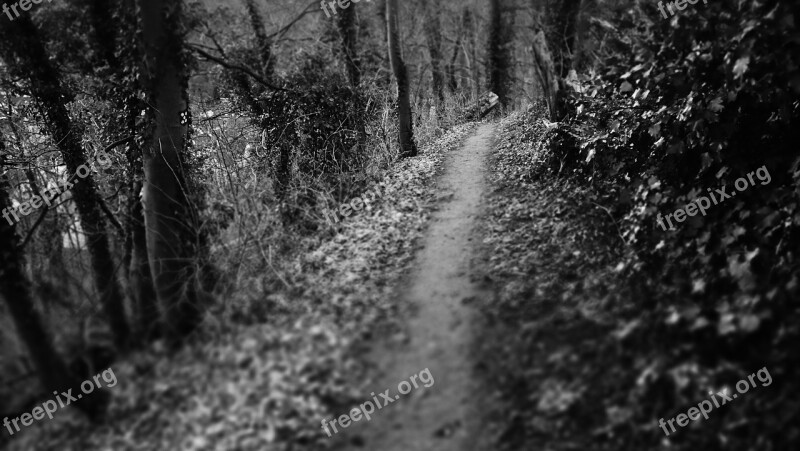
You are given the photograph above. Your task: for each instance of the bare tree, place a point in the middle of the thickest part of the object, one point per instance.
(408, 147)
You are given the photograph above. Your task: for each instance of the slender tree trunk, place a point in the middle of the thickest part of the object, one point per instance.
(499, 52)
(16, 290)
(408, 147)
(546, 72)
(148, 316)
(169, 216)
(348, 32)
(104, 27)
(140, 276)
(21, 45)
(380, 8)
(433, 35)
(565, 24)
(473, 46)
(452, 82)
(136, 261)
(263, 41)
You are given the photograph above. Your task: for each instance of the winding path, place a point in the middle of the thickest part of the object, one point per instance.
(447, 415)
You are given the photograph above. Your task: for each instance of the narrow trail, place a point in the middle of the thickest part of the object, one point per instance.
(447, 415)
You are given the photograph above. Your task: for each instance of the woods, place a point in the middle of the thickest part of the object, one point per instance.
(589, 207)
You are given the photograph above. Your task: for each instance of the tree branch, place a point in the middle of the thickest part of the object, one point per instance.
(283, 30)
(228, 65)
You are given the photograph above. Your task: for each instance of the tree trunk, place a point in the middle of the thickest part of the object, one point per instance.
(406, 133)
(546, 72)
(15, 289)
(140, 276)
(565, 25)
(22, 46)
(473, 48)
(148, 317)
(105, 34)
(452, 82)
(563, 39)
(348, 31)
(499, 52)
(169, 216)
(136, 262)
(264, 44)
(433, 35)
(380, 12)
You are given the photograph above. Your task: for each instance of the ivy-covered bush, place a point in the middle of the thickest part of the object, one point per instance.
(675, 108)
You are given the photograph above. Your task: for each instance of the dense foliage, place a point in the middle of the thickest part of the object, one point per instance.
(673, 109)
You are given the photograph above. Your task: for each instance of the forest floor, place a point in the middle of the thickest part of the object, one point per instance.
(470, 267)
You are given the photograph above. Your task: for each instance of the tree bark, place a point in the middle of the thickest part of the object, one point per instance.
(16, 290)
(465, 30)
(136, 261)
(348, 31)
(148, 316)
(546, 72)
(565, 25)
(563, 39)
(499, 52)
(433, 35)
(169, 215)
(264, 44)
(406, 133)
(21, 46)
(473, 48)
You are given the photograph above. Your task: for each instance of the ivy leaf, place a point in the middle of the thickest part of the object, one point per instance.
(655, 130)
(716, 105)
(740, 67)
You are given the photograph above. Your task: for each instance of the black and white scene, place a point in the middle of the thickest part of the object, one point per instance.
(399, 225)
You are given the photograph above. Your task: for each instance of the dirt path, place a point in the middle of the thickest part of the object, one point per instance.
(445, 416)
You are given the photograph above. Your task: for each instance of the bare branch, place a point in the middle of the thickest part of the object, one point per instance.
(232, 66)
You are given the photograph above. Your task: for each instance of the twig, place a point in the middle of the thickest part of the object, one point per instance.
(117, 143)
